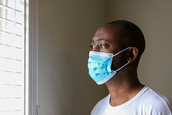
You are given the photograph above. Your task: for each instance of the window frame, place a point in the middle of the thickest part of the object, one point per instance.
(31, 72)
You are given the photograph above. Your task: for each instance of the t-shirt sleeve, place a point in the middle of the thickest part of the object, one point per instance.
(163, 106)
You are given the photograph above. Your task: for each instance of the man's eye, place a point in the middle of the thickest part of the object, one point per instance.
(91, 46)
(101, 45)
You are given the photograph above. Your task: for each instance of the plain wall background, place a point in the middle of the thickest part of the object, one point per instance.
(65, 28)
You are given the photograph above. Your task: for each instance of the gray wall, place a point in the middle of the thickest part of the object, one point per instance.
(65, 28)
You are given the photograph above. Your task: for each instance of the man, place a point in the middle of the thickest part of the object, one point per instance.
(116, 50)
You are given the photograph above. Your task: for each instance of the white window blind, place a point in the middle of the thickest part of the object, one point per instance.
(12, 57)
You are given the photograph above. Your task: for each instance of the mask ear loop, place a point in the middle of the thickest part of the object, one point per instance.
(122, 66)
(119, 53)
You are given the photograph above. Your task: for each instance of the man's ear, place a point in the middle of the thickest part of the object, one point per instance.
(133, 53)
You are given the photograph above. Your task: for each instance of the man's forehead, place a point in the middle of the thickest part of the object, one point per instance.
(103, 30)
(105, 33)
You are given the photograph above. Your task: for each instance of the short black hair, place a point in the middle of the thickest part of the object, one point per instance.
(130, 35)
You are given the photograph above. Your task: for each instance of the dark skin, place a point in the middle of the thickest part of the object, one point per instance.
(125, 85)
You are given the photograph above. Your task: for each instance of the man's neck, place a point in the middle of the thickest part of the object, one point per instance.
(123, 89)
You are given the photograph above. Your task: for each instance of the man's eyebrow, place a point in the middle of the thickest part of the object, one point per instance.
(101, 39)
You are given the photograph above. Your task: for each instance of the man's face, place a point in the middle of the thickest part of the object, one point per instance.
(105, 40)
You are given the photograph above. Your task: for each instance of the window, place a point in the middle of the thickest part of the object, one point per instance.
(13, 57)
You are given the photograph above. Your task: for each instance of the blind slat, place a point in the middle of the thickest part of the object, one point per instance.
(12, 57)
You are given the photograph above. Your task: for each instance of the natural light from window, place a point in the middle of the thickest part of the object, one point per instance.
(12, 57)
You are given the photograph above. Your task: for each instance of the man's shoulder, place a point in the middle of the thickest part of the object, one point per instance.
(146, 101)
(153, 96)
(155, 100)
(103, 101)
(101, 105)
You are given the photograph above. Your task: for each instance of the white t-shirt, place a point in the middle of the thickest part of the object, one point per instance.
(146, 102)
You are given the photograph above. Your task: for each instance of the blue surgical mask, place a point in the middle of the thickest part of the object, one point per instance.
(99, 65)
